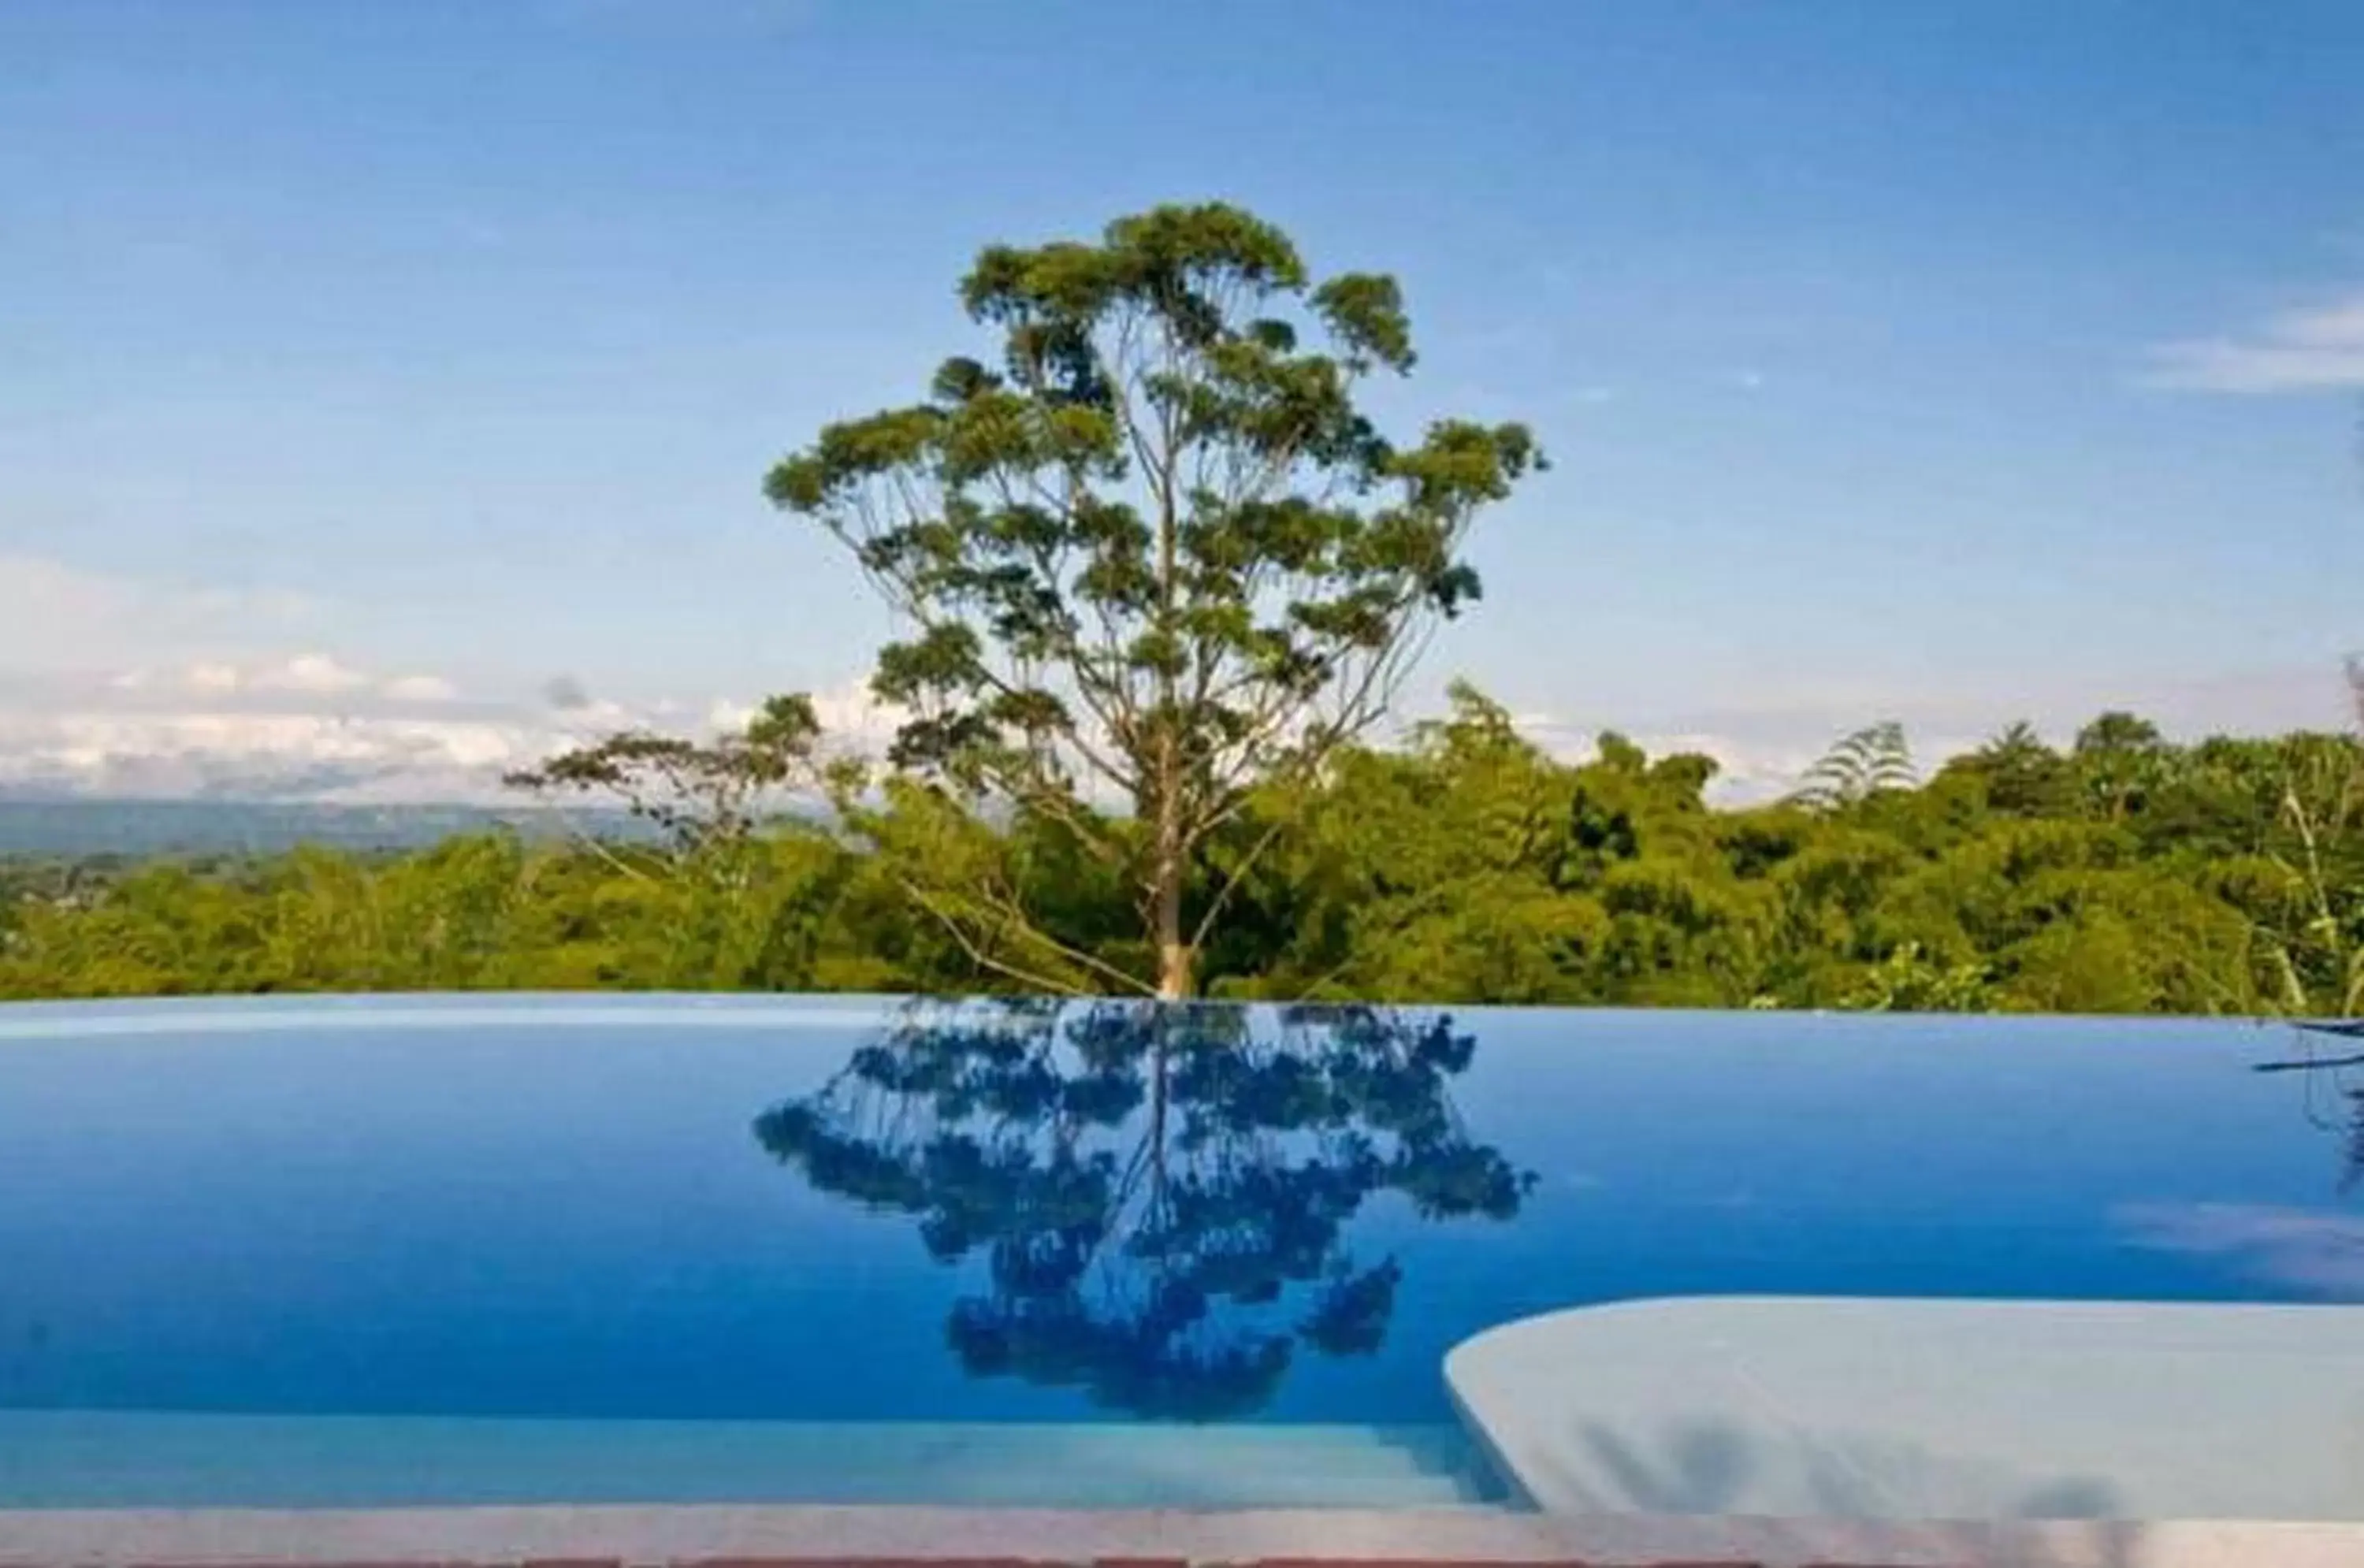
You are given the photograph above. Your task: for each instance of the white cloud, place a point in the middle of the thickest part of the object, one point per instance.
(119, 685)
(418, 689)
(313, 672)
(261, 754)
(2319, 348)
(310, 725)
(205, 676)
(253, 682)
(852, 722)
(725, 714)
(602, 717)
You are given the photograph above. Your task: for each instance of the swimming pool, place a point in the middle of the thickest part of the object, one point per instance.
(389, 1251)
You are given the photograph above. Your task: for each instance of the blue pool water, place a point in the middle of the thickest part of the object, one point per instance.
(469, 1249)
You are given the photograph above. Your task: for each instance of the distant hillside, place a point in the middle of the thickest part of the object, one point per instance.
(137, 828)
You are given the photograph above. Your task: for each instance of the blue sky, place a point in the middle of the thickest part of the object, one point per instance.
(370, 364)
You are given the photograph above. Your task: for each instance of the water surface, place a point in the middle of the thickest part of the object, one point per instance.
(814, 1211)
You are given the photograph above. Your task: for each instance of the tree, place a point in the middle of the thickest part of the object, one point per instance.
(1159, 556)
(2121, 760)
(2022, 776)
(718, 893)
(700, 797)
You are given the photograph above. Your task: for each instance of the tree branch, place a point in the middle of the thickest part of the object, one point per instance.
(979, 955)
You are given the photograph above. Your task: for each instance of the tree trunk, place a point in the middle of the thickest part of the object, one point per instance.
(1173, 956)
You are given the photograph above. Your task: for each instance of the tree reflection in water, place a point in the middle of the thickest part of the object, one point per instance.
(2333, 1101)
(1159, 1191)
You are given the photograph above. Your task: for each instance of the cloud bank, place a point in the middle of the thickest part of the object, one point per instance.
(310, 727)
(117, 686)
(111, 686)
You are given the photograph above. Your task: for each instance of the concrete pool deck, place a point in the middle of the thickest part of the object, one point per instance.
(1904, 1409)
(940, 1538)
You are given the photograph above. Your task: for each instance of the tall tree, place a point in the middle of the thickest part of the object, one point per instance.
(1159, 556)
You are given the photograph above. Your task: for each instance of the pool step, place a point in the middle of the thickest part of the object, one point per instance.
(108, 1459)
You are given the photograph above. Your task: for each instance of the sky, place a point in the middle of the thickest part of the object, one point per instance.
(386, 389)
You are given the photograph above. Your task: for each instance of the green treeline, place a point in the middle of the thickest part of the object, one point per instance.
(2124, 875)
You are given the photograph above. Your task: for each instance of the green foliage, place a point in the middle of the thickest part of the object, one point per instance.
(1860, 766)
(702, 797)
(2121, 761)
(2015, 773)
(1466, 865)
(1909, 981)
(1156, 555)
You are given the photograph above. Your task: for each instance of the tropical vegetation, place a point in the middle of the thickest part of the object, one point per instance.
(2122, 874)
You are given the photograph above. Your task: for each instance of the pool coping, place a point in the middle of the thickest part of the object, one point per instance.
(902, 1537)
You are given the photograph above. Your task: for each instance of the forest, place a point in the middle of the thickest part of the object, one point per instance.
(2122, 874)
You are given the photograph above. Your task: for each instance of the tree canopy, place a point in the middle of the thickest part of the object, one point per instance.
(1154, 555)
